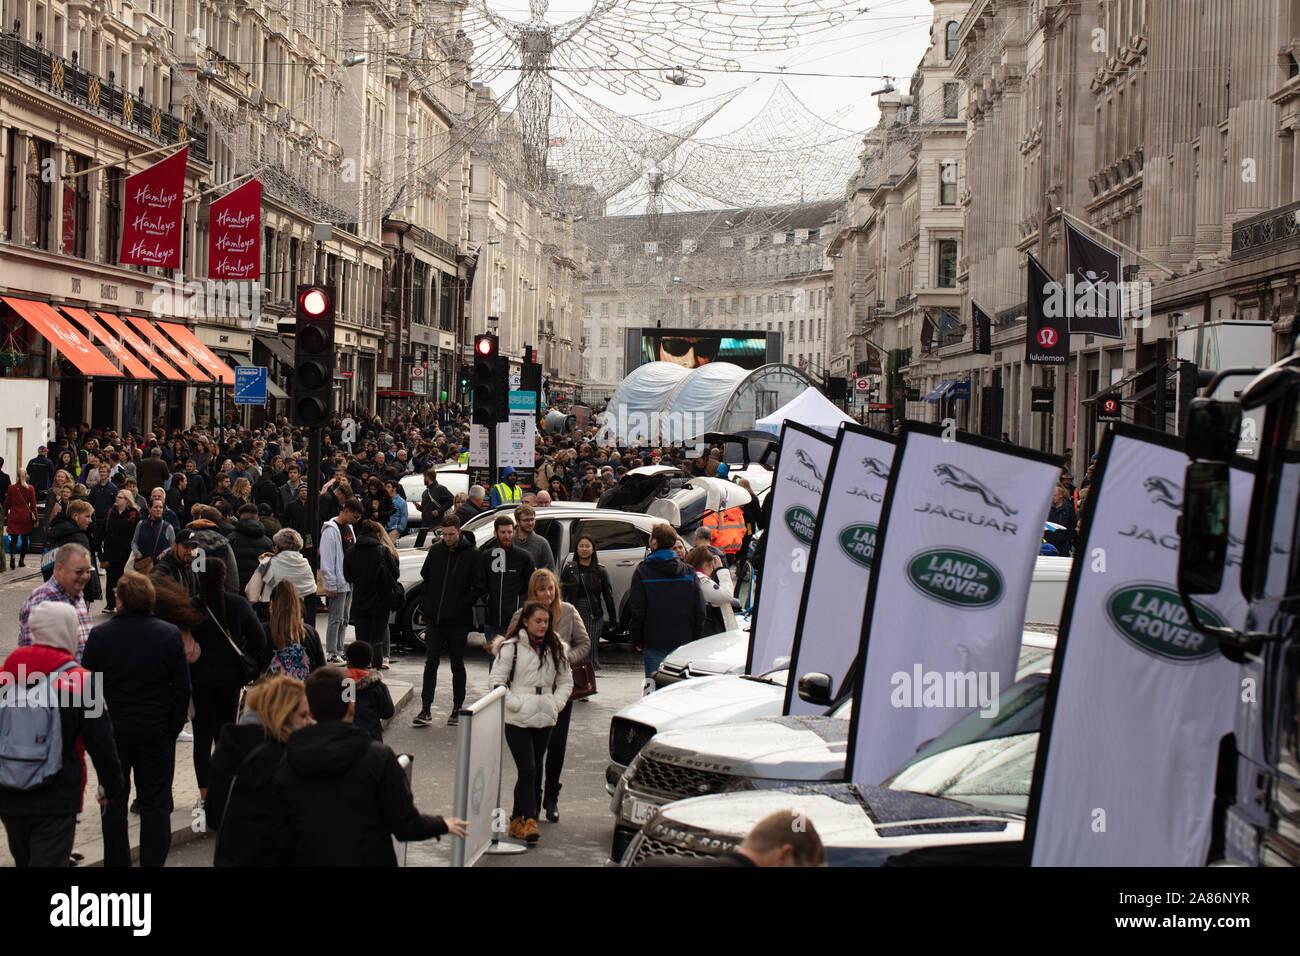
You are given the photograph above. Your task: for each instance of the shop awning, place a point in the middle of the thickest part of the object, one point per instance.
(393, 393)
(277, 348)
(168, 348)
(276, 391)
(1112, 390)
(188, 340)
(134, 367)
(61, 334)
(141, 347)
(960, 389)
(941, 391)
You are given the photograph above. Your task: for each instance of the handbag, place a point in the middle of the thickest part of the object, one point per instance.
(144, 563)
(247, 665)
(584, 680)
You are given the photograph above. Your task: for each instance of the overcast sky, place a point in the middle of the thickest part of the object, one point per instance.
(887, 37)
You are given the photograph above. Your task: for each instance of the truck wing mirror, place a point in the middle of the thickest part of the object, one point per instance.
(1203, 528)
(1213, 428)
(815, 688)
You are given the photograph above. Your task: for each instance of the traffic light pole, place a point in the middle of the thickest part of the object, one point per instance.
(315, 441)
(492, 457)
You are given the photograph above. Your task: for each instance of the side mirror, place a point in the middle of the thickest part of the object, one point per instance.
(815, 689)
(1213, 428)
(1203, 528)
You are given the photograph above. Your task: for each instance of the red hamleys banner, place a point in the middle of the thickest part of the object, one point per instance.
(234, 230)
(153, 219)
(69, 219)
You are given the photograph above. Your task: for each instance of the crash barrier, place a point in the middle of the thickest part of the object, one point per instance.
(478, 779)
(406, 762)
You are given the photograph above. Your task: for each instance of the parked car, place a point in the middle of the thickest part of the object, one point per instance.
(622, 540)
(725, 653)
(775, 751)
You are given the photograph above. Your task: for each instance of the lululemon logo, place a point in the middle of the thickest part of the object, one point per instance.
(1047, 337)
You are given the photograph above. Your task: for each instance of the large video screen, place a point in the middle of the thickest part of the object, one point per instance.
(693, 348)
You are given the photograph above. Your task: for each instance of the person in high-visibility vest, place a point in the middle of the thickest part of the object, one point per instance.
(508, 490)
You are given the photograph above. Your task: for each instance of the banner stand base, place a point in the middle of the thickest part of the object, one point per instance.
(505, 849)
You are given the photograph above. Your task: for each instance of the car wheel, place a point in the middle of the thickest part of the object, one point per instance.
(413, 626)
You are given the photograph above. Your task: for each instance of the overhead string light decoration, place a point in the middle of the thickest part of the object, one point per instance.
(630, 46)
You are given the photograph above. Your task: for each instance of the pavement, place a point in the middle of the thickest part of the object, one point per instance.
(580, 838)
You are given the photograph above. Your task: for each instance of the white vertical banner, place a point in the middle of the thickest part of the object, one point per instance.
(961, 530)
(1139, 698)
(829, 626)
(796, 498)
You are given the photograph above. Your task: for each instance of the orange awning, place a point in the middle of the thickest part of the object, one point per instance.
(142, 348)
(61, 334)
(174, 355)
(188, 340)
(134, 366)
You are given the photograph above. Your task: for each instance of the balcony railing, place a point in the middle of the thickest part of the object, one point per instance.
(67, 80)
(1266, 232)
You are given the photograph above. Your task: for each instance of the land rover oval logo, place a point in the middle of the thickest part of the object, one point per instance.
(1152, 618)
(801, 522)
(859, 543)
(959, 578)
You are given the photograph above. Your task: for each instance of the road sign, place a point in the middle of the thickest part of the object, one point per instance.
(250, 385)
(514, 380)
(417, 372)
(862, 385)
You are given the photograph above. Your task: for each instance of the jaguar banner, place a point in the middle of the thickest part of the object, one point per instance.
(795, 499)
(839, 561)
(152, 220)
(962, 522)
(1139, 699)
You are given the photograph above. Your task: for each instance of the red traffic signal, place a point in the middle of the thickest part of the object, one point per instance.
(485, 345)
(314, 301)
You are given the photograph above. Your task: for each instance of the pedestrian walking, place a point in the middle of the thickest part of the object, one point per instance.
(336, 538)
(40, 799)
(147, 691)
(507, 570)
(436, 501)
(371, 569)
(538, 548)
(296, 647)
(240, 809)
(374, 703)
(249, 543)
(453, 580)
(19, 519)
(341, 797)
(115, 548)
(544, 588)
(72, 569)
(229, 633)
(534, 668)
(585, 585)
(665, 606)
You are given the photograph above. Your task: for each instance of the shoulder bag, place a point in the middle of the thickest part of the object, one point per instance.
(144, 563)
(247, 665)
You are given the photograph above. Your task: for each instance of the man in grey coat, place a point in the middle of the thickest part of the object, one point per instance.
(538, 548)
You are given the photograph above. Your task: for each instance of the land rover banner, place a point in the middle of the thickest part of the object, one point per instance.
(1139, 699)
(961, 529)
(839, 562)
(795, 497)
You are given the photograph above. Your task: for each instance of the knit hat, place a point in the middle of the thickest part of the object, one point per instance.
(54, 624)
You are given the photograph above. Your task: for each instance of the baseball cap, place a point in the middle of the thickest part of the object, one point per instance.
(187, 536)
(41, 450)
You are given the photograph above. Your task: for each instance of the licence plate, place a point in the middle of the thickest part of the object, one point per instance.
(638, 811)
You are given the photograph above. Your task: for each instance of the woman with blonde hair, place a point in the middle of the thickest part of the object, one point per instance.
(242, 489)
(241, 805)
(297, 647)
(566, 622)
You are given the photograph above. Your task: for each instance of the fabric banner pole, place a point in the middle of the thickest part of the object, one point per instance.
(839, 563)
(961, 525)
(1139, 700)
(795, 499)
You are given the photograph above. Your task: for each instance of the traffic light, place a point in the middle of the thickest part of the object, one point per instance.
(464, 378)
(490, 382)
(313, 356)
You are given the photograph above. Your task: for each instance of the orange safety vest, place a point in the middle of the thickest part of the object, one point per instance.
(728, 528)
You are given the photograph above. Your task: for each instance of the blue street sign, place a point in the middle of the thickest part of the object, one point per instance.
(250, 385)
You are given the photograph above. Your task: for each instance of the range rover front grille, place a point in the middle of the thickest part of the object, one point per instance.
(649, 847)
(626, 738)
(671, 780)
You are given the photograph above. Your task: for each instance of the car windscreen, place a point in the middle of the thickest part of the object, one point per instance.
(1019, 711)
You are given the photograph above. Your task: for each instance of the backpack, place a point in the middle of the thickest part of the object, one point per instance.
(31, 734)
(291, 661)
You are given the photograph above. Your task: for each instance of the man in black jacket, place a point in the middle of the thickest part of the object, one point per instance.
(665, 604)
(341, 796)
(453, 580)
(249, 542)
(507, 569)
(40, 471)
(147, 690)
(436, 501)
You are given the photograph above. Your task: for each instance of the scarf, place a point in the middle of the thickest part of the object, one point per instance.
(538, 645)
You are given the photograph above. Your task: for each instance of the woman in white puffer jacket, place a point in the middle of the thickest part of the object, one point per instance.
(533, 666)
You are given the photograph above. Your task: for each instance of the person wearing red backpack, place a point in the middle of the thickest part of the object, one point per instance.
(40, 818)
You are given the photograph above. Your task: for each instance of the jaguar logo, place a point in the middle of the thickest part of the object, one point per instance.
(807, 462)
(952, 475)
(1164, 492)
(875, 466)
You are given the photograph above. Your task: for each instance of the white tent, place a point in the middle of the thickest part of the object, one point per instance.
(810, 408)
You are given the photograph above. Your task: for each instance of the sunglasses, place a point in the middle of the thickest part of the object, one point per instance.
(704, 349)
